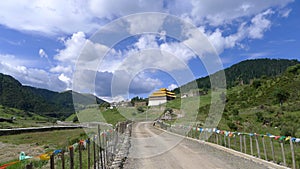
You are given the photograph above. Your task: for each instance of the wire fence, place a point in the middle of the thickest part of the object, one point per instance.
(282, 150)
(99, 151)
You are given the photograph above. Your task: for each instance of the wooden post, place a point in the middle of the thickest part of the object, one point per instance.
(293, 154)
(71, 157)
(235, 144)
(89, 152)
(283, 154)
(264, 147)
(104, 149)
(241, 143)
(245, 145)
(100, 146)
(194, 133)
(217, 138)
(52, 161)
(94, 153)
(257, 146)
(225, 141)
(229, 142)
(251, 146)
(272, 149)
(63, 159)
(80, 154)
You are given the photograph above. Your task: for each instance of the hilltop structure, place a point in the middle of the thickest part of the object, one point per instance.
(161, 96)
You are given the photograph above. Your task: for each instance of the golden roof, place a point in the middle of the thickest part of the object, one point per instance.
(162, 92)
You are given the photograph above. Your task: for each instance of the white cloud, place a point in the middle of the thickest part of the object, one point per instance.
(43, 54)
(55, 17)
(217, 13)
(30, 76)
(65, 79)
(61, 69)
(285, 13)
(259, 25)
(73, 47)
(172, 86)
(245, 19)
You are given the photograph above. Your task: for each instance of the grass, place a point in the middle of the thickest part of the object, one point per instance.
(52, 139)
(49, 141)
(23, 119)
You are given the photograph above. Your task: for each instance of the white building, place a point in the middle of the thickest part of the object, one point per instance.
(161, 96)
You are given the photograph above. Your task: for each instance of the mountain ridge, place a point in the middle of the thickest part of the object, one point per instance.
(244, 72)
(41, 101)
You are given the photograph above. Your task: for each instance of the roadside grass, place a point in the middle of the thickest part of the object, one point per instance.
(49, 140)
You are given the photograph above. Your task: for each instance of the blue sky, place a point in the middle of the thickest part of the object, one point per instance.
(41, 43)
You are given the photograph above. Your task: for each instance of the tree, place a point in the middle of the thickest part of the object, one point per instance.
(140, 109)
(281, 95)
(75, 119)
(232, 126)
(259, 117)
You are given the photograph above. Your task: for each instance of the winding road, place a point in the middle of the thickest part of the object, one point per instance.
(154, 148)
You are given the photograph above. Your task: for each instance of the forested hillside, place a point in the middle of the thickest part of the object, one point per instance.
(265, 105)
(41, 101)
(246, 71)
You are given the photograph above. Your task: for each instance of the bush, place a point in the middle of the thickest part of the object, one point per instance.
(75, 119)
(259, 117)
(140, 109)
(232, 126)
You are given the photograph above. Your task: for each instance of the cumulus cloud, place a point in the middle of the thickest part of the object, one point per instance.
(87, 16)
(217, 13)
(73, 47)
(172, 86)
(246, 19)
(30, 76)
(43, 54)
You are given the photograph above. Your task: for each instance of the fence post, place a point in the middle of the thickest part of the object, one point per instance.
(94, 153)
(80, 154)
(272, 149)
(235, 144)
(52, 161)
(225, 144)
(251, 146)
(100, 147)
(257, 146)
(264, 147)
(63, 159)
(103, 149)
(71, 157)
(228, 142)
(282, 151)
(217, 138)
(293, 154)
(245, 144)
(241, 143)
(89, 152)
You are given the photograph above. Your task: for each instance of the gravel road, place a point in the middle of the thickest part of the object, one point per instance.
(154, 148)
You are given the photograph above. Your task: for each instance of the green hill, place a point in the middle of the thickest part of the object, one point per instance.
(41, 101)
(267, 105)
(246, 71)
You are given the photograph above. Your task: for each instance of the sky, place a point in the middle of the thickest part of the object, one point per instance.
(119, 49)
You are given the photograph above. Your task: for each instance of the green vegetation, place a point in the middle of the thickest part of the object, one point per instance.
(22, 119)
(245, 71)
(94, 114)
(41, 101)
(44, 142)
(270, 107)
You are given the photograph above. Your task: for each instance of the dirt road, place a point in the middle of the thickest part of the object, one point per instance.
(153, 148)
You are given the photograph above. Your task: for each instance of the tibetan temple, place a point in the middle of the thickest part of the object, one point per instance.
(161, 96)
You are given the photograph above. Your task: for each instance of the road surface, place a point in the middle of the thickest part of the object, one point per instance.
(152, 148)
